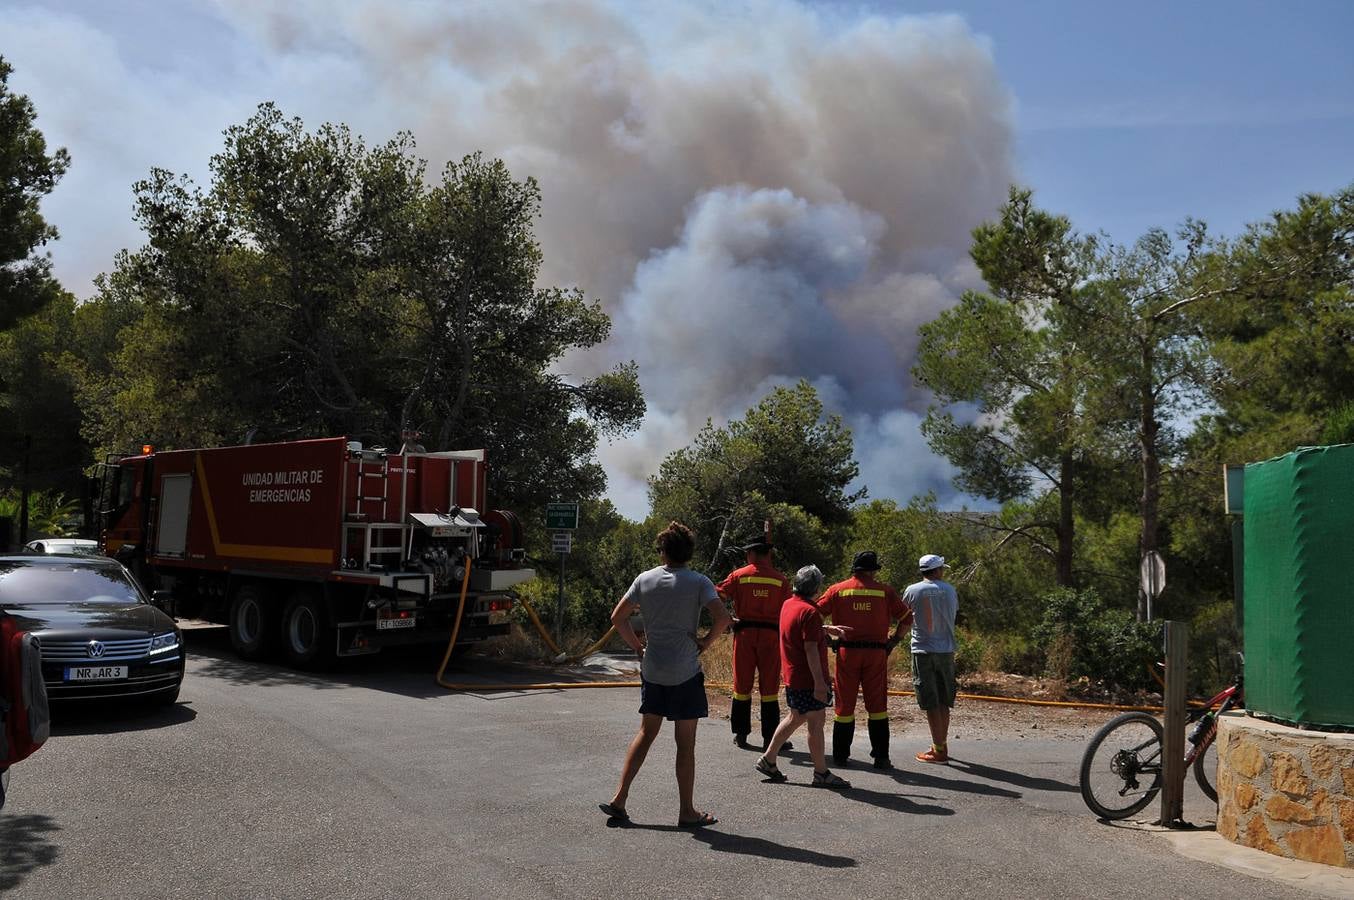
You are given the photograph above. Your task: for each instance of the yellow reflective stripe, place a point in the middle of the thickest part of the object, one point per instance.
(770, 698)
(759, 579)
(851, 719)
(742, 696)
(874, 717)
(861, 592)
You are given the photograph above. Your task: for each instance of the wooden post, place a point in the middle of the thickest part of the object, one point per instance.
(1173, 741)
(559, 604)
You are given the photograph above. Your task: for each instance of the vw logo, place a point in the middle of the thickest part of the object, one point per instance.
(94, 649)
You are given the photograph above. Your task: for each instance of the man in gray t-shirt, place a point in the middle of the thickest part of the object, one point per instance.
(933, 603)
(670, 599)
(672, 685)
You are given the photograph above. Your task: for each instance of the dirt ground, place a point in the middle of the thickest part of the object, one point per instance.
(972, 719)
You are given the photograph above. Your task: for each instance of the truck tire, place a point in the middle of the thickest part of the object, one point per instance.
(307, 639)
(253, 622)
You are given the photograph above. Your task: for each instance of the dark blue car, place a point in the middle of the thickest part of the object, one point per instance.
(100, 635)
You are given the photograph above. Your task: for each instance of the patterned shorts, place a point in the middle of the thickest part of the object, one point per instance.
(804, 701)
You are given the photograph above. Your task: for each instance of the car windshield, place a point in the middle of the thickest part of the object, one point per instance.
(45, 585)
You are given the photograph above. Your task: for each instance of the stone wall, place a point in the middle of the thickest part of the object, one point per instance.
(1286, 791)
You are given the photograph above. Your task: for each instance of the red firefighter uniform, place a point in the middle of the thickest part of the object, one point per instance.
(867, 606)
(758, 591)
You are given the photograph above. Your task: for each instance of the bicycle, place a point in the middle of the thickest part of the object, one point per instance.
(1121, 768)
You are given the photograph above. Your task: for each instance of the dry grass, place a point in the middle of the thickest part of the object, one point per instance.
(524, 644)
(1061, 654)
(717, 661)
(971, 720)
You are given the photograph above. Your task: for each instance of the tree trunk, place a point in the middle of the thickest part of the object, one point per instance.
(416, 394)
(719, 547)
(1150, 499)
(1066, 525)
(465, 344)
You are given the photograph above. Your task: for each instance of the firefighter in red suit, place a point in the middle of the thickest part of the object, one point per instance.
(757, 591)
(867, 606)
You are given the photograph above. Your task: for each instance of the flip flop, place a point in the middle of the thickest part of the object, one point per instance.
(613, 812)
(705, 819)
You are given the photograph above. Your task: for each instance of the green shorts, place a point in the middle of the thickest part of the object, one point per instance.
(933, 679)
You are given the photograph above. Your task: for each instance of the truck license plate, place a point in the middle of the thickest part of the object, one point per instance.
(95, 673)
(390, 624)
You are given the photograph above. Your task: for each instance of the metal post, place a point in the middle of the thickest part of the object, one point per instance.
(559, 606)
(1173, 741)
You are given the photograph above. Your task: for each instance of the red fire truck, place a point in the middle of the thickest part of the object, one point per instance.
(319, 548)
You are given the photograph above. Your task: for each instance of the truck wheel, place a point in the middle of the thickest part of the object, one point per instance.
(307, 639)
(253, 622)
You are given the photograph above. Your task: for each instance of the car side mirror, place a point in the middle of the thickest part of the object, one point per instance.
(163, 601)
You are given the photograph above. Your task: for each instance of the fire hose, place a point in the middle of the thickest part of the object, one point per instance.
(560, 656)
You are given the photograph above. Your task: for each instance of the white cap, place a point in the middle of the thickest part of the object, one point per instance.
(930, 561)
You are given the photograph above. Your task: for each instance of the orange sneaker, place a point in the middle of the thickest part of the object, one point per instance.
(933, 756)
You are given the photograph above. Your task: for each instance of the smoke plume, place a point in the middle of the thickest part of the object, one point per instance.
(757, 192)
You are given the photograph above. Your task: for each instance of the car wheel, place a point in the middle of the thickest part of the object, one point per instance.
(307, 639)
(253, 622)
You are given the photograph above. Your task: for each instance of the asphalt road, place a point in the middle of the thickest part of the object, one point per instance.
(373, 782)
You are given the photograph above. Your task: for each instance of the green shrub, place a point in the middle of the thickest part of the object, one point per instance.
(1082, 638)
(1339, 427)
(1214, 641)
(980, 651)
(1007, 652)
(970, 650)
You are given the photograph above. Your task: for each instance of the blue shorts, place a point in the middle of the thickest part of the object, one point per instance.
(804, 702)
(674, 702)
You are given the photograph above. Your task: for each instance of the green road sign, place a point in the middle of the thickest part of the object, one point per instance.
(561, 516)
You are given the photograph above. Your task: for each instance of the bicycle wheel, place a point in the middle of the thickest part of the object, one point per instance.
(1206, 766)
(1121, 768)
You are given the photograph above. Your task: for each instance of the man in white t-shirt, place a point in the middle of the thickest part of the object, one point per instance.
(672, 685)
(933, 603)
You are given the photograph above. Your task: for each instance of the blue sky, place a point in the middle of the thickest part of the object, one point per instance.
(1135, 115)
(700, 152)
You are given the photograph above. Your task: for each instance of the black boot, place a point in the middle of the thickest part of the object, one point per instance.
(879, 743)
(770, 721)
(740, 720)
(842, 733)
